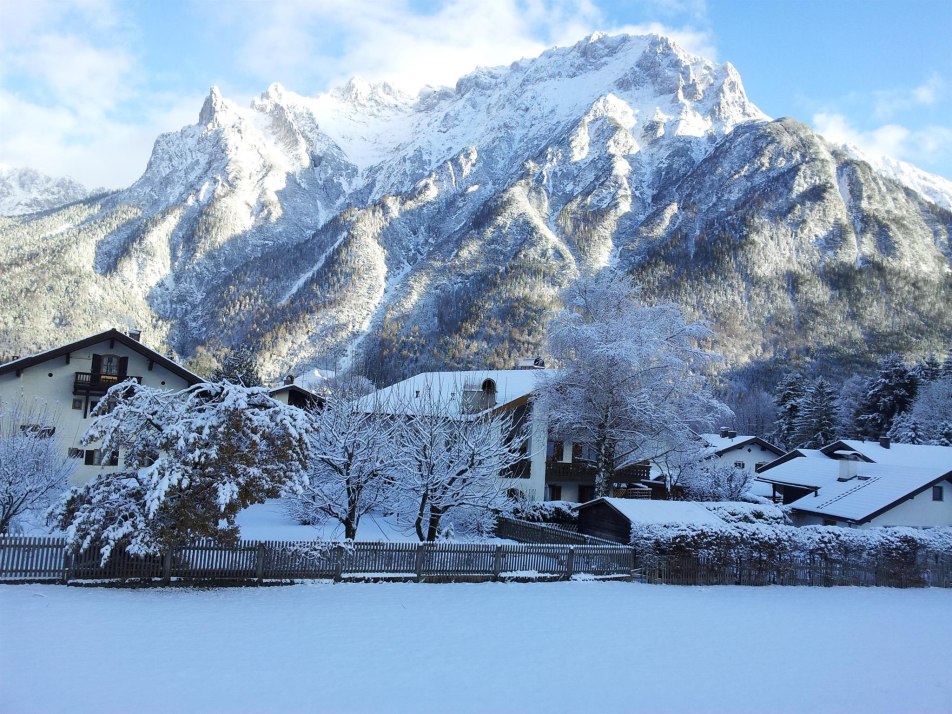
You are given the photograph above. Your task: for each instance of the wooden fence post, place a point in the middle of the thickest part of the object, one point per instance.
(338, 563)
(259, 563)
(167, 566)
(497, 562)
(420, 556)
(570, 563)
(69, 564)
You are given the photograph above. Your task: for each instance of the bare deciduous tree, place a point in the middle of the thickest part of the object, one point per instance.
(629, 379)
(33, 469)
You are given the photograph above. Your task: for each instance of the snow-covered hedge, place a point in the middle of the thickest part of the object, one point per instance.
(738, 512)
(778, 543)
(546, 512)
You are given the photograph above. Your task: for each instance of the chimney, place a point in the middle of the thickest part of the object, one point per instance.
(847, 469)
(724, 432)
(289, 379)
(732, 434)
(885, 441)
(135, 334)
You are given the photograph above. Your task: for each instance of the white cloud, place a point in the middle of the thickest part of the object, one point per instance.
(888, 103)
(311, 47)
(927, 146)
(76, 97)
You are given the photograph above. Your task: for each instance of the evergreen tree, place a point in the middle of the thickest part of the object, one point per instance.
(788, 396)
(946, 369)
(816, 418)
(906, 429)
(929, 369)
(239, 367)
(888, 394)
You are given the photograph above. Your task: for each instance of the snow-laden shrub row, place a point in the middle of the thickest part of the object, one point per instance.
(776, 544)
(546, 512)
(738, 512)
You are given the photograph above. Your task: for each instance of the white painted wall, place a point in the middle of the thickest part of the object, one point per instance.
(920, 511)
(534, 486)
(50, 384)
(750, 455)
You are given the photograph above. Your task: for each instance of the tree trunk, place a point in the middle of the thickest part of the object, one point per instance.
(604, 469)
(421, 514)
(434, 530)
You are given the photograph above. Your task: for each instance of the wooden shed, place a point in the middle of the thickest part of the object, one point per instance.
(612, 518)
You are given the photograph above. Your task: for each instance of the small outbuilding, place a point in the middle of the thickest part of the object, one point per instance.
(612, 518)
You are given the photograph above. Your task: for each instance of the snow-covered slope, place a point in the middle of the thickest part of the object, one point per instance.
(435, 230)
(27, 191)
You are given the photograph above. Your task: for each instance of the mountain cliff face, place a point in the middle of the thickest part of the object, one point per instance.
(410, 232)
(28, 191)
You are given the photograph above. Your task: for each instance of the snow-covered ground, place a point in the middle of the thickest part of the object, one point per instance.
(270, 521)
(491, 647)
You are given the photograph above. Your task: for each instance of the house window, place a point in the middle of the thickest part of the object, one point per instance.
(92, 405)
(77, 404)
(829, 522)
(739, 464)
(74, 453)
(109, 365)
(95, 457)
(937, 494)
(555, 492)
(42, 432)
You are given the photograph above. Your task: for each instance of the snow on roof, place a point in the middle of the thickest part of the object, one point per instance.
(806, 472)
(875, 487)
(641, 510)
(720, 443)
(429, 391)
(903, 454)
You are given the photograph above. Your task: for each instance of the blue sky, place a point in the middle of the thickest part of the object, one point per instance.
(87, 85)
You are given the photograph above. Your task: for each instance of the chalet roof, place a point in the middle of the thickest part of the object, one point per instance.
(803, 472)
(876, 489)
(429, 391)
(794, 454)
(899, 454)
(642, 510)
(293, 388)
(40, 357)
(723, 444)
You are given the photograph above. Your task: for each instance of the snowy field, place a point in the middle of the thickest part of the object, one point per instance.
(565, 647)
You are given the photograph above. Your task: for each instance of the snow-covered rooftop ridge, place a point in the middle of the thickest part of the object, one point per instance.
(442, 392)
(875, 487)
(918, 455)
(725, 442)
(645, 511)
(821, 473)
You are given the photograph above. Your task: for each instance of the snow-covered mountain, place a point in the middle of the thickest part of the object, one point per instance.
(26, 191)
(436, 229)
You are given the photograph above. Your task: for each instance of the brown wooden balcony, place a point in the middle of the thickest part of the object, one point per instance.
(95, 383)
(581, 471)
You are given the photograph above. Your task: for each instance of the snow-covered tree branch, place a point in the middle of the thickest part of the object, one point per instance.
(350, 450)
(33, 468)
(448, 461)
(191, 461)
(630, 379)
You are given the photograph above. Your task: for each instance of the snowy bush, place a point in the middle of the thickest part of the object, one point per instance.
(191, 461)
(546, 512)
(711, 481)
(737, 512)
(774, 545)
